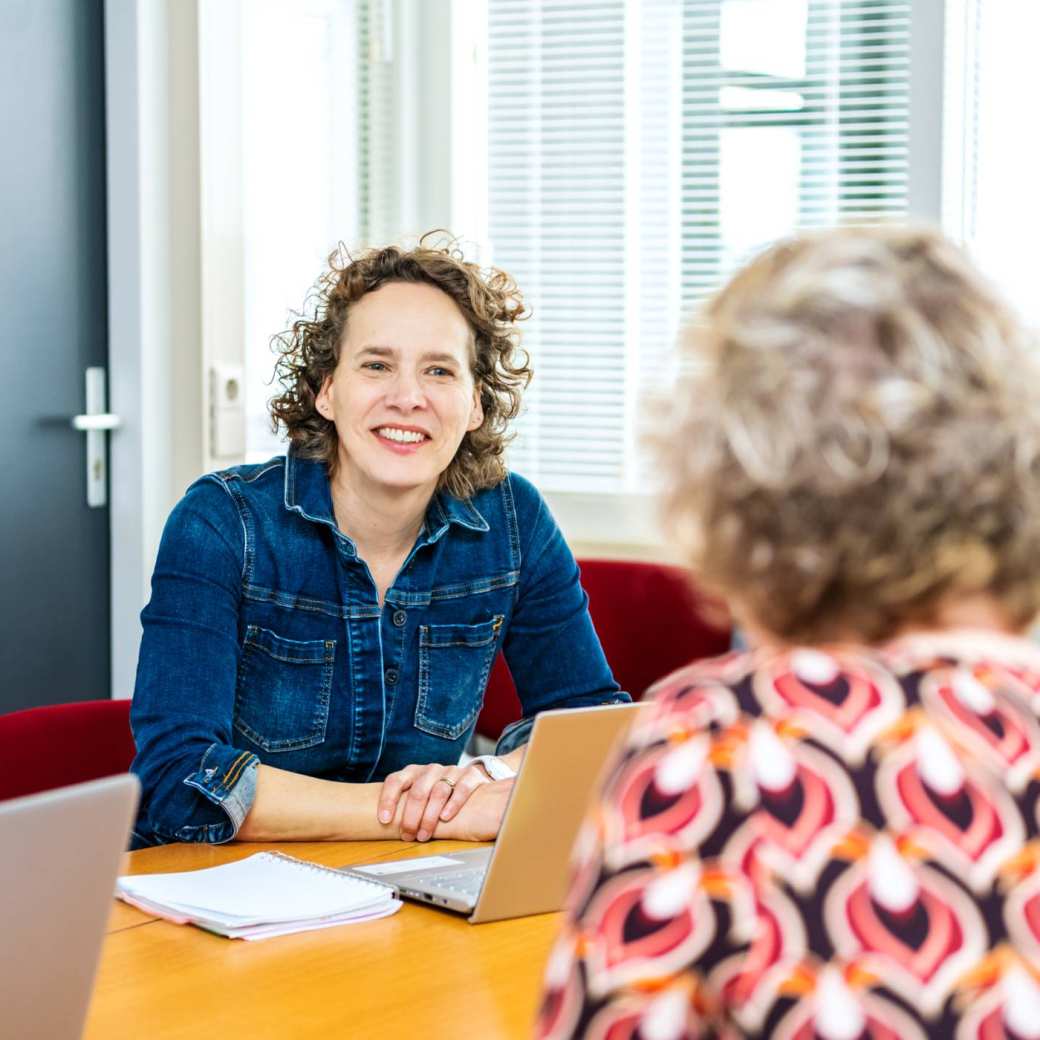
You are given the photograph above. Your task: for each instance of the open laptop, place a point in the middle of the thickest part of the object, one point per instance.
(527, 871)
(60, 853)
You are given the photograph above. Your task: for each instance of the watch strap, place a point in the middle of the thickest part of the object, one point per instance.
(494, 767)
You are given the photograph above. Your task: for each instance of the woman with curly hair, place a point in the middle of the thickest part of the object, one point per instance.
(322, 626)
(834, 835)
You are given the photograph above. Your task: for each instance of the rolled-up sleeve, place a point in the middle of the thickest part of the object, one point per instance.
(551, 646)
(196, 785)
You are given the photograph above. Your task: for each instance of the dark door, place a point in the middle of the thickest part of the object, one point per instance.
(54, 554)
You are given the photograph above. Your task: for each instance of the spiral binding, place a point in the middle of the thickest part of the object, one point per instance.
(322, 869)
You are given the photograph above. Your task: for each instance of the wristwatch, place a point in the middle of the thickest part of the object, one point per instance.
(494, 767)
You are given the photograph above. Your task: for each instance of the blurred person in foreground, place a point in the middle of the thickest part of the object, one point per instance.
(833, 835)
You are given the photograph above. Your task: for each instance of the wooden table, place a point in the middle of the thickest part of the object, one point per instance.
(420, 973)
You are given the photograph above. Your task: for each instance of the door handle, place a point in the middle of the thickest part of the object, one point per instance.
(103, 421)
(95, 422)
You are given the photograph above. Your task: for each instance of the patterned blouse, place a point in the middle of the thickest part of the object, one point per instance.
(816, 845)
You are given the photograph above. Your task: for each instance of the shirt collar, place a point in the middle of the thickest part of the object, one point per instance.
(307, 490)
(445, 509)
(308, 493)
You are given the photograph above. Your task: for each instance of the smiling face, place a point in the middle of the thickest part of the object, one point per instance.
(402, 395)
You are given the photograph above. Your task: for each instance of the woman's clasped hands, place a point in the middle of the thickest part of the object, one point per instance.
(444, 801)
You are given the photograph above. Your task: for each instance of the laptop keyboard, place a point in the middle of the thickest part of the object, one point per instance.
(463, 882)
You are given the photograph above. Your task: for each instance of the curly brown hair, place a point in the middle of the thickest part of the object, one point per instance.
(856, 441)
(490, 302)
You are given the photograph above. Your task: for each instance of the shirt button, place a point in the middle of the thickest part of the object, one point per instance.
(391, 675)
(400, 617)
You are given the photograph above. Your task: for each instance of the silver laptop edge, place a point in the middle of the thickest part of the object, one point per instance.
(61, 854)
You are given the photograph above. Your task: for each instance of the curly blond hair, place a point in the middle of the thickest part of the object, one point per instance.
(490, 302)
(855, 440)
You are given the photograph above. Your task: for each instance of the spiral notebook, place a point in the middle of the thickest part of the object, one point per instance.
(264, 895)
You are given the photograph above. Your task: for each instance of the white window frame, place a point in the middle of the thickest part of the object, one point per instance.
(151, 103)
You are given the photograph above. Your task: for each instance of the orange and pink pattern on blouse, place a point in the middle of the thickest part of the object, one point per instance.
(822, 844)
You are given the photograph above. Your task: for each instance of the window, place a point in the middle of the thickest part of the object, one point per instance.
(999, 153)
(300, 173)
(638, 152)
(339, 103)
(618, 157)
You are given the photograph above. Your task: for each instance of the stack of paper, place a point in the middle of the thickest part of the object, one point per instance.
(260, 896)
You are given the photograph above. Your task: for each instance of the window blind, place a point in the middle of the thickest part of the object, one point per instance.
(638, 152)
(557, 202)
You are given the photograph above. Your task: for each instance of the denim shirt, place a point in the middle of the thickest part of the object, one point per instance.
(264, 641)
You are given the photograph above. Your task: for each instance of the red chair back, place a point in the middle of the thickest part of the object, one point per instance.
(650, 620)
(60, 744)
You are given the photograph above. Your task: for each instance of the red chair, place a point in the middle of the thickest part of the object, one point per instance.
(650, 620)
(62, 744)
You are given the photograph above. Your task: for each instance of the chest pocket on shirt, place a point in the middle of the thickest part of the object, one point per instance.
(454, 662)
(282, 699)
